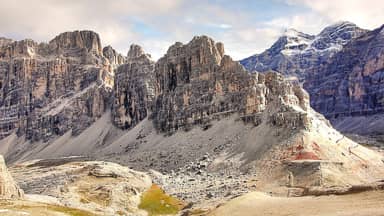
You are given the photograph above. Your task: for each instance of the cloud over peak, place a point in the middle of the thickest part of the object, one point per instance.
(246, 27)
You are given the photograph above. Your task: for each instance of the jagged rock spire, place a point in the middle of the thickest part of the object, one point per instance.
(135, 51)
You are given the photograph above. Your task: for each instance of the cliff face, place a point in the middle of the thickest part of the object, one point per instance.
(296, 54)
(197, 83)
(341, 68)
(49, 89)
(351, 83)
(134, 89)
(87, 41)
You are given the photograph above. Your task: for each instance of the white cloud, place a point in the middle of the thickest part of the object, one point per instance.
(365, 13)
(309, 23)
(176, 20)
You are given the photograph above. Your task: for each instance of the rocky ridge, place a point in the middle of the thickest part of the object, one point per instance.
(50, 88)
(198, 83)
(295, 54)
(196, 100)
(350, 84)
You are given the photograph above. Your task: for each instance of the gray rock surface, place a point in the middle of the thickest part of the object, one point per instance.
(296, 54)
(99, 187)
(196, 83)
(134, 89)
(49, 89)
(351, 84)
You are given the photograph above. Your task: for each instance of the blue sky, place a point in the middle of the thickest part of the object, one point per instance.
(245, 27)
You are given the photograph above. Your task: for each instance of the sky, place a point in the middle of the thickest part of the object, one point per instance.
(246, 27)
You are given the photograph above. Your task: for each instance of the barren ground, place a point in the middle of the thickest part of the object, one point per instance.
(256, 203)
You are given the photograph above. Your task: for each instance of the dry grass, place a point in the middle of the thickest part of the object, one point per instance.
(41, 209)
(91, 189)
(156, 202)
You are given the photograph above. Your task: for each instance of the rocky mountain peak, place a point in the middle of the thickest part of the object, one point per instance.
(88, 40)
(4, 41)
(337, 35)
(134, 88)
(23, 48)
(339, 26)
(114, 57)
(8, 187)
(200, 47)
(382, 29)
(197, 83)
(295, 53)
(135, 51)
(293, 33)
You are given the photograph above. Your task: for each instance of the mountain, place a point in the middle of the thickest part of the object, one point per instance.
(202, 126)
(348, 89)
(47, 89)
(296, 54)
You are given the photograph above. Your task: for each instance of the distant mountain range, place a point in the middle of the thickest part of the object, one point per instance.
(341, 68)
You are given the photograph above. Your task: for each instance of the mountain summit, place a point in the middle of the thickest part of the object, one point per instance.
(295, 54)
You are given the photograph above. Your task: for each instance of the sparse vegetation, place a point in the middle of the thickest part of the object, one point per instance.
(156, 202)
(40, 208)
(69, 211)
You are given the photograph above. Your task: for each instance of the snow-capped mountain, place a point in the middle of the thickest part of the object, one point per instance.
(295, 53)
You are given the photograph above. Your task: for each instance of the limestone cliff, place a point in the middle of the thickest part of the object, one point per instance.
(134, 89)
(49, 89)
(197, 83)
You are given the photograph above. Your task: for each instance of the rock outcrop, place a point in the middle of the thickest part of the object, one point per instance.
(8, 188)
(296, 54)
(87, 41)
(197, 83)
(49, 89)
(102, 188)
(134, 89)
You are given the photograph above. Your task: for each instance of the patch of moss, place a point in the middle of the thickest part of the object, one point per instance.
(156, 202)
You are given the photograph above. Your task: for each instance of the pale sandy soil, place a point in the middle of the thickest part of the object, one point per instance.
(256, 203)
(25, 208)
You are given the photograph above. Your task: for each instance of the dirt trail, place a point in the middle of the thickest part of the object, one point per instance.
(255, 204)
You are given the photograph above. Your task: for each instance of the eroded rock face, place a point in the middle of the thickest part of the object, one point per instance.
(8, 187)
(134, 89)
(351, 83)
(197, 83)
(49, 89)
(4, 41)
(83, 40)
(96, 186)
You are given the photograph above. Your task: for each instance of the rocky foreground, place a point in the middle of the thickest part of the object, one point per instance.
(73, 185)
